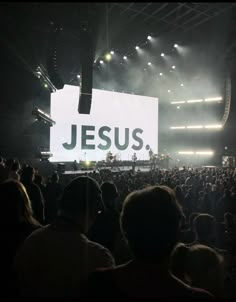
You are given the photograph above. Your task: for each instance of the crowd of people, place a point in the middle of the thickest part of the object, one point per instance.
(163, 233)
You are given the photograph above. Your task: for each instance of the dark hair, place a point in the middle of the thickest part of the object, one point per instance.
(54, 177)
(150, 221)
(109, 190)
(81, 195)
(15, 166)
(178, 261)
(15, 204)
(203, 225)
(27, 174)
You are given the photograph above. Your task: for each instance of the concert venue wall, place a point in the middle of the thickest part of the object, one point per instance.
(118, 122)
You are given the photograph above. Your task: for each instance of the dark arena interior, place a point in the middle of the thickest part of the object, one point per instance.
(118, 142)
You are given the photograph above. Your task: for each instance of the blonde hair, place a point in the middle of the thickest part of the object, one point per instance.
(16, 204)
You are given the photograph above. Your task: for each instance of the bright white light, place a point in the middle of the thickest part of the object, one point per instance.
(182, 85)
(177, 127)
(173, 67)
(176, 45)
(112, 52)
(87, 163)
(108, 57)
(195, 127)
(169, 90)
(213, 126)
(137, 47)
(162, 55)
(194, 101)
(149, 63)
(161, 74)
(46, 85)
(214, 99)
(101, 62)
(78, 76)
(124, 57)
(180, 102)
(149, 38)
(204, 152)
(178, 107)
(186, 152)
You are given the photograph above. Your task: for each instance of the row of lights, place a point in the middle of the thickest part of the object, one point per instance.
(108, 56)
(212, 99)
(207, 152)
(196, 127)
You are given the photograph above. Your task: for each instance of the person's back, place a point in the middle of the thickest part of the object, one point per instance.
(54, 261)
(106, 227)
(150, 221)
(201, 267)
(17, 223)
(34, 193)
(53, 193)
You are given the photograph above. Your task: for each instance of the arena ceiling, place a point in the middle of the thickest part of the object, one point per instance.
(27, 28)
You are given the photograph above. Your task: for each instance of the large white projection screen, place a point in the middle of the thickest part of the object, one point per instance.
(118, 122)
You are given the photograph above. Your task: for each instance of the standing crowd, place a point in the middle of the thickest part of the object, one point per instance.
(163, 233)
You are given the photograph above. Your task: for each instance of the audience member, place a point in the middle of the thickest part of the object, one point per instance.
(55, 261)
(17, 223)
(35, 195)
(150, 221)
(199, 266)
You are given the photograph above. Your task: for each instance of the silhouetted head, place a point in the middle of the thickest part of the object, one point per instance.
(178, 261)
(15, 166)
(55, 177)
(109, 192)
(81, 201)
(151, 220)
(9, 162)
(15, 203)
(27, 174)
(204, 227)
(204, 269)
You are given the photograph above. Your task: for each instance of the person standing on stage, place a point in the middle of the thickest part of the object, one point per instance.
(134, 159)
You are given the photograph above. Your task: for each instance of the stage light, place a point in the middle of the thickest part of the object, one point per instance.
(195, 127)
(124, 57)
(169, 91)
(177, 127)
(101, 62)
(194, 101)
(87, 163)
(149, 38)
(112, 52)
(108, 57)
(178, 107)
(204, 152)
(176, 45)
(186, 152)
(137, 47)
(42, 116)
(162, 55)
(161, 74)
(182, 85)
(173, 67)
(78, 76)
(45, 85)
(213, 126)
(180, 102)
(149, 63)
(214, 99)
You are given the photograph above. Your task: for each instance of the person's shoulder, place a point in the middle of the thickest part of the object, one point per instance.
(37, 232)
(186, 291)
(99, 251)
(200, 293)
